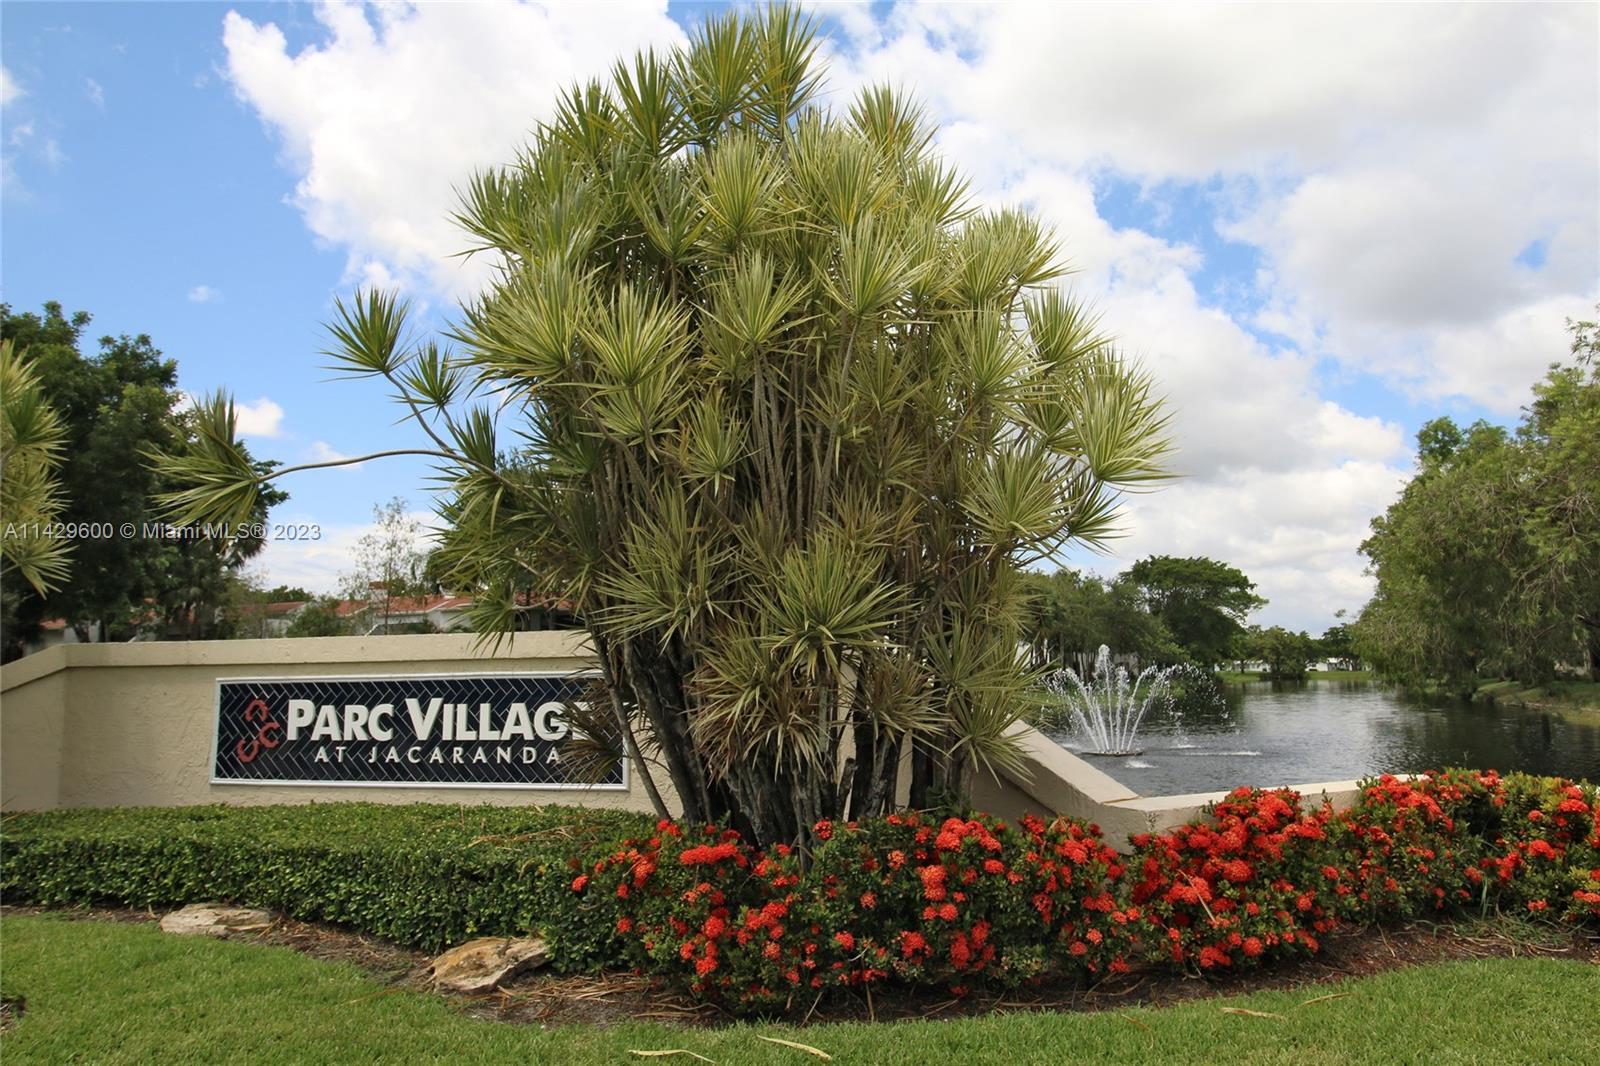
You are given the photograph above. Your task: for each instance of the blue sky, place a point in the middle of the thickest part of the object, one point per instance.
(1318, 226)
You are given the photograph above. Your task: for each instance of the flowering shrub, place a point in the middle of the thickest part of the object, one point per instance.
(963, 900)
(1405, 850)
(955, 902)
(1248, 883)
(675, 898)
(1465, 838)
(906, 898)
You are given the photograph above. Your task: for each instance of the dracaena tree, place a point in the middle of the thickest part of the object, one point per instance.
(32, 440)
(777, 411)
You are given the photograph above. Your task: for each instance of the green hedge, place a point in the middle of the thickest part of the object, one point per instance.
(427, 875)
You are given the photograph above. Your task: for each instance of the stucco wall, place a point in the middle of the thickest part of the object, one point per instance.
(101, 725)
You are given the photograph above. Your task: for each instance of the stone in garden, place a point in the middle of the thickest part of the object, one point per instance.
(484, 964)
(215, 919)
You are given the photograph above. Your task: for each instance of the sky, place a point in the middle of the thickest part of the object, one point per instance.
(1317, 226)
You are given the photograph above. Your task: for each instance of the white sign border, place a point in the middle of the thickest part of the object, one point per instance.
(568, 675)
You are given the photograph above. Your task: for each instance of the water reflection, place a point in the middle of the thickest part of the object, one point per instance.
(1270, 734)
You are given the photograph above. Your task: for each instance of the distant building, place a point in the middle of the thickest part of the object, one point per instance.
(441, 613)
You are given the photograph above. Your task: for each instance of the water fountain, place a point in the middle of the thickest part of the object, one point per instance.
(1106, 710)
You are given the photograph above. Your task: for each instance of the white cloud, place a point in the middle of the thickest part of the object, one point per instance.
(1389, 162)
(52, 154)
(263, 418)
(9, 89)
(95, 92)
(317, 565)
(1388, 165)
(1294, 532)
(323, 452)
(204, 294)
(400, 104)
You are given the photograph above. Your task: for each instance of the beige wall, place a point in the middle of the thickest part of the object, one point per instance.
(102, 725)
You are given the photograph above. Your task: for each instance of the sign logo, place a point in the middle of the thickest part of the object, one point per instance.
(488, 731)
(266, 734)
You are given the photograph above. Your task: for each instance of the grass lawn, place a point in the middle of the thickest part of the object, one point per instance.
(1234, 676)
(110, 993)
(1576, 698)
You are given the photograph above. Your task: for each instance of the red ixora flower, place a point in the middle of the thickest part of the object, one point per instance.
(579, 881)
(911, 943)
(706, 854)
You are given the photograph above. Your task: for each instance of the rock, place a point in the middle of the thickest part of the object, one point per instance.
(215, 919)
(484, 964)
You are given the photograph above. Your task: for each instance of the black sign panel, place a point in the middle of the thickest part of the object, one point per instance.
(495, 730)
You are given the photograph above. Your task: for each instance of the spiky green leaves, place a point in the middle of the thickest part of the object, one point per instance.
(637, 344)
(370, 331)
(825, 601)
(218, 481)
(31, 440)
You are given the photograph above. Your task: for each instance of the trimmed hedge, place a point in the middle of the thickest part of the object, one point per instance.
(425, 875)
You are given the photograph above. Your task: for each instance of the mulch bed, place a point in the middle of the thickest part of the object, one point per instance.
(550, 999)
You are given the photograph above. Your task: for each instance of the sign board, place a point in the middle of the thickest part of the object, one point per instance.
(417, 731)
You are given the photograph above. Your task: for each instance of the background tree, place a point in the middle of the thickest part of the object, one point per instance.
(796, 416)
(116, 406)
(390, 564)
(1338, 642)
(1073, 614)
(1556, 593)
(1285, 652)
(318, 618)
(1440, 555)
(1203, 603)
(1489, 562)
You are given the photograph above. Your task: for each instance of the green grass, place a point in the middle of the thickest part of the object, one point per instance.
(1235, 676)
(106, 993)
(1582, 697)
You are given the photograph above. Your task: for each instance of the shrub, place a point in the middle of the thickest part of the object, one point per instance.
(1463, 838)
(1404, 852)
(423, 875)
(905, 898)
(1247, 883)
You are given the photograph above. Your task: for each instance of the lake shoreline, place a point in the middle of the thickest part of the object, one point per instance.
(1274, 734)
(1575, 701)
(1235, 677)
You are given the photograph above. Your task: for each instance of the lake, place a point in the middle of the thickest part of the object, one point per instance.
(1274, 734)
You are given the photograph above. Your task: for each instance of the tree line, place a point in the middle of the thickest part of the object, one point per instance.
(81, 425)
(1167, 610)
(1488, 565)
